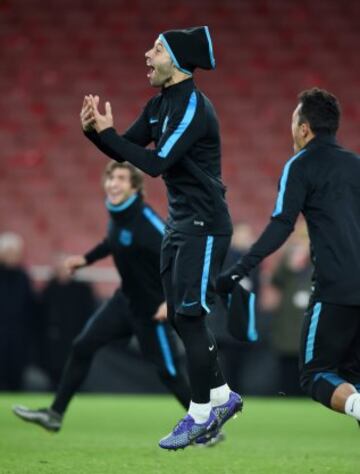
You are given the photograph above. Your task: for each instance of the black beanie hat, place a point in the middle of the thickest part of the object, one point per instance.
(189, 48)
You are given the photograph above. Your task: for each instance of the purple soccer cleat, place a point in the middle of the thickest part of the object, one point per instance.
(229, 409)
(223, 413)
(187, 432)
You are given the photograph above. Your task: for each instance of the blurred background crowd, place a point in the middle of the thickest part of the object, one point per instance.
(39, 320)
(51, 204)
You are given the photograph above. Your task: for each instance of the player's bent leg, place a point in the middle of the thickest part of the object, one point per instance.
(110, 322)
(333, 392)
(330, 334)
(75, 371)
(104, 326)
(321, 385)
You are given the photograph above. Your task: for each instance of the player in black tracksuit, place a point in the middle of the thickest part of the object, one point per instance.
(182, 123)
(133, 239)
(322, 181)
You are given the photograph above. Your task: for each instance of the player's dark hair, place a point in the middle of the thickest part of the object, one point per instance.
(136, 176)
(320, 109)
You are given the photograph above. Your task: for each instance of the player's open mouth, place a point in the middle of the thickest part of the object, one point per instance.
(150, 71)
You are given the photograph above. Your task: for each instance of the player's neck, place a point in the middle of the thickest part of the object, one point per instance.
(177, 77)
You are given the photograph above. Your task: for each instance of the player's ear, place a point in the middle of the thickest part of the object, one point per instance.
(305, 129)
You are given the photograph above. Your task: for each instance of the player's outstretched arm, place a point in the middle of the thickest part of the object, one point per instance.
(289, 203)
(100, 251)
(75, 262)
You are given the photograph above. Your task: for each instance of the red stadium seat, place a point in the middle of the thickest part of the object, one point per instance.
(266, 53)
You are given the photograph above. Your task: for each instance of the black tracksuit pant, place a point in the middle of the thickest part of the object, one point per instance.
(114, 321)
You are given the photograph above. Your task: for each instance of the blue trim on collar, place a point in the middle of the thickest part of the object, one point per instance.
(123, 206)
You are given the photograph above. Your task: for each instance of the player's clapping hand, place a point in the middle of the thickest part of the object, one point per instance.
(101, 121)
(87, 115)
(74, 262)
(161, 313)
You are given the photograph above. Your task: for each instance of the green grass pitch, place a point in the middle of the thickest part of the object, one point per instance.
(119, 435)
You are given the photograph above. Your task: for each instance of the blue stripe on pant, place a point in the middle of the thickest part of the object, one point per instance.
(252, 332)
(206, 271)
(165, 349)
(309, 351)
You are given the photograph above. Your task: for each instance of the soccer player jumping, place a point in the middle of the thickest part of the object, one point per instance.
(322, 181)
(182, 123)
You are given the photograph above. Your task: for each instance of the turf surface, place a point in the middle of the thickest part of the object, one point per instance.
(119, 435)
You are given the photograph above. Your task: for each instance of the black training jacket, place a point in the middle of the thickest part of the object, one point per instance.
(322, 182)
(182, 124)
(133, 239)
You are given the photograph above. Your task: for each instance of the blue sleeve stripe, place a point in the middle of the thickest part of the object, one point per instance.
(310, 342)
(183, 125)
(283, 181)
(154, 219)
(172, 55)
(252, 332)
(165, 349)
(206, 270)
(211, 50)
